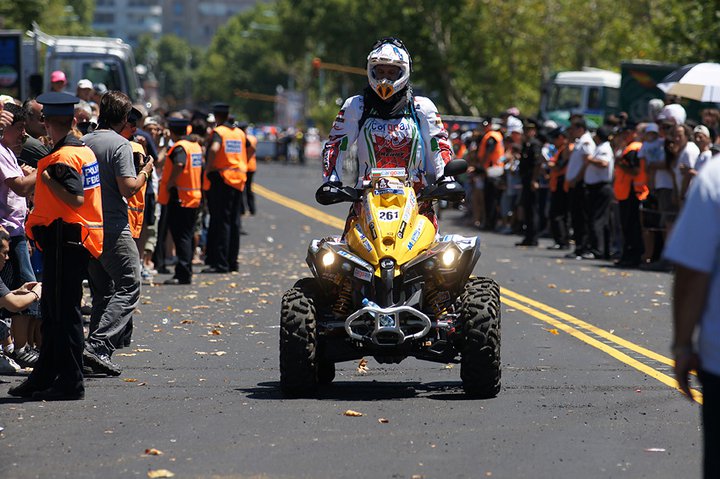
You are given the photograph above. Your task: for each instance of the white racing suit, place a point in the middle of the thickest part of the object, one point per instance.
(416, 140)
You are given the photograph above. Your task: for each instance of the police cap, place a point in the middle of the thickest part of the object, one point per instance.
(177, 123)
(58, 104)
(221, 108)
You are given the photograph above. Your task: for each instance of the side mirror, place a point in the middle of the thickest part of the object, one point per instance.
(330, 194)
(455, 167)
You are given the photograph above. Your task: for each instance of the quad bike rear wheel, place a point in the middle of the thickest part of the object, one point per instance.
(479, 308)
(298, 341)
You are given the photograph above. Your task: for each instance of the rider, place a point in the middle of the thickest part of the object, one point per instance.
(397, 128)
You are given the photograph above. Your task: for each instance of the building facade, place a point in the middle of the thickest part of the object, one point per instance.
(128, 19)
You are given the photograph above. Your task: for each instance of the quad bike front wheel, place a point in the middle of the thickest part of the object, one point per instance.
(298, 341)
(479, 308)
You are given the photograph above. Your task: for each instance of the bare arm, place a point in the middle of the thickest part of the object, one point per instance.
(212, 151)
(128, 186)
(22, 185)
(59, 190)
(690, 291)
(22, 297)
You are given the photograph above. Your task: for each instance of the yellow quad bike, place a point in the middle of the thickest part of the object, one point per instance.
(391, 288)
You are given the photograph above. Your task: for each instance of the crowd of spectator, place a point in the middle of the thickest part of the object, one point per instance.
(610, 192)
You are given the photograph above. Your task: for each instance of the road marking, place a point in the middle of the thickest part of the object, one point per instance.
(561, 320)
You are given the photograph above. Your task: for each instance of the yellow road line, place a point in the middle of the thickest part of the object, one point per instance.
(333, 221)
(620, 356)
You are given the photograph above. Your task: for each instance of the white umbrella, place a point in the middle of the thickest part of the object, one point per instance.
(698, 81)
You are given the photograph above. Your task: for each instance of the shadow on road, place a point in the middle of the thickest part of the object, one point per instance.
(368, 391)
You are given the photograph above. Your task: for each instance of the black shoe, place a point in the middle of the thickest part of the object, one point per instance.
(163, 271)
(176, 281)
(526, 243)
(101, 363)
(589, 255)
(25, 389)
(213, 269)
(243, 233)
(56, 394)
(558, 246)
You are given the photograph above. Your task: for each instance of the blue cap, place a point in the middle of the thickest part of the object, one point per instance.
(58, 104)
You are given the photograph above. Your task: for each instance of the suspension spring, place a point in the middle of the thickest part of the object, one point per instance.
(344, 300)
(433, 299)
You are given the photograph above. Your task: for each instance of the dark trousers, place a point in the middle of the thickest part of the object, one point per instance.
(225, 224)
(248, 193)
(543, 196)
(599, 198)
(633, 247)
(181, 222)
(159, 254)
(578, 216)
(65, 264)
(559, 216)
(529, 204)
(711, 424)
(492, 199)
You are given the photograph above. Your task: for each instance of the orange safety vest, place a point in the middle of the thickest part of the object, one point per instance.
(49, 207)
(188, 183)
(556, 174)
(136, 203)
(231, 159)
(624, 181)
(252, 149)
(497, 153)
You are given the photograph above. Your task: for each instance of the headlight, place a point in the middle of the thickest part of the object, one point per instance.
(449, 257)
(328, 259)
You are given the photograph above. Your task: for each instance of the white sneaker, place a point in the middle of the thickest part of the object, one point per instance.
(8, 366)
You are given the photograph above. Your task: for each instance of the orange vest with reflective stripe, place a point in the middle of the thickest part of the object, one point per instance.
(189, 181)
(497, 153)
(231, 159)
(252, 159)
(624, 181)
(136, 203)
(49, 207)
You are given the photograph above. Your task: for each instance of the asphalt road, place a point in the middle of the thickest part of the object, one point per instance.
(587, 389)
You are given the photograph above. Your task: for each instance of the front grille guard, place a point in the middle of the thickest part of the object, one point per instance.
(387, 321)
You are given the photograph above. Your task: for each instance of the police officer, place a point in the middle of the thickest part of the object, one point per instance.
(251, 167)
(531, 160)
(67, 224)
(226, 175)
(180, 190)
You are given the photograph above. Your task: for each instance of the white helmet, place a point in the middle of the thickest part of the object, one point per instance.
(389, 51)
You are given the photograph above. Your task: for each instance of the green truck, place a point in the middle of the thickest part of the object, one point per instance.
(598, 93)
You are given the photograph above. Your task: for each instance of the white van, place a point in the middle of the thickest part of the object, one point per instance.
(591, 92)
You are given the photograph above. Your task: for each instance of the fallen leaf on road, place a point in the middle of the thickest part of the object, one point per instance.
(552, 285)
(417, 476)
(552, 331)
(215, 332)
(130, 380)
(219, 299)
(502, 260)
(248, 311)
(232, 285)
(449, 366)
(201, 306)
(143, 350)
(126, 354)
(352, 413)
(187, 321)
(382, 420)
(200, 352)
(362, 366)
(610, 293)
(158, 473)
(655, 449)
(566, 291)
(218, 353)
(659, 293)
(153, 452)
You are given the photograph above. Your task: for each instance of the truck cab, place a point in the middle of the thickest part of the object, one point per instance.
(591, 92)
(101, 60)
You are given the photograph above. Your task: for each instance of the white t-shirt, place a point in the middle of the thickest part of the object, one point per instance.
(601, 174)
(688, 156)
(702, 159)
(695, 244)
(584, 146)
(654, 153)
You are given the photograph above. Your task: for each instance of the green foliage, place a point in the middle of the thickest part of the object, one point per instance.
(55, 17)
